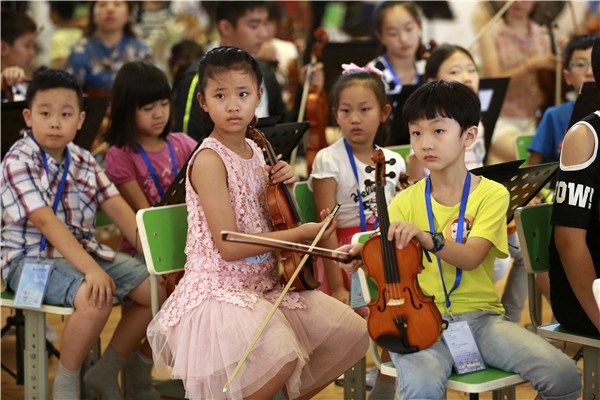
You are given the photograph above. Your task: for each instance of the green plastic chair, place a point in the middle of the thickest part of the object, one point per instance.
(534, 230)
(501, 383)
(521, 145)
(163, 233)
(306, 202)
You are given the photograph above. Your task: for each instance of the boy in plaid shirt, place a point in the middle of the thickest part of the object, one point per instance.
(51, 190)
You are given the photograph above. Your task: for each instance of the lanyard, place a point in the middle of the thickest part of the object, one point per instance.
(151, 168)
(459, 231)
(393, 72)
(61, 185)
(361, 206)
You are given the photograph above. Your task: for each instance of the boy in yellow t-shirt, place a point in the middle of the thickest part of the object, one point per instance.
(443, 119)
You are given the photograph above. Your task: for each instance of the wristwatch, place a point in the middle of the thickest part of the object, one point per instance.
(438, 241)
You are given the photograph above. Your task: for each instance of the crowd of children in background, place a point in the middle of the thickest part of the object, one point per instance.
(184, 82)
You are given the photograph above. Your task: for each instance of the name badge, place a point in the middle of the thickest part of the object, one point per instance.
(257, 259)
(461, 344)
(32, 284)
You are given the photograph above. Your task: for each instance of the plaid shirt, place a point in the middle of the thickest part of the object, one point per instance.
(24, 188)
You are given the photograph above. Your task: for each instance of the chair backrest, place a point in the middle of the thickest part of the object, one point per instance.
(163, 233)
(402, 149)
(521, 145)
(534, 230)
(306, 202)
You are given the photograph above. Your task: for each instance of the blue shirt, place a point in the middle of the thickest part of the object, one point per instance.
(95, 65)
(551, 131)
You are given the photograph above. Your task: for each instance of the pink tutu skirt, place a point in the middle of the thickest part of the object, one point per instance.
(203, 349)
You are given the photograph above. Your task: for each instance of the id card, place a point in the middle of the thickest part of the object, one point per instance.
(461, 344)
(362, 289)
(32, 285)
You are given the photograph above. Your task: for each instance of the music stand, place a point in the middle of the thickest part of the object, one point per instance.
(13, 124)
(491, 95)
(336, 54)
(587, 102)
(398, 133)
(283, 137)
(522, 183)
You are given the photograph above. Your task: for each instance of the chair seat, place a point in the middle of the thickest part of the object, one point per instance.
(557, 332)
(475, 382)
(8, 300)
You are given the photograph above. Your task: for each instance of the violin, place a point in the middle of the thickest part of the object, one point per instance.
(285, 215)
(402, 319)
(314, 101)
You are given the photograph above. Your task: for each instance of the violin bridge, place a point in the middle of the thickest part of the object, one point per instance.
(395, 302)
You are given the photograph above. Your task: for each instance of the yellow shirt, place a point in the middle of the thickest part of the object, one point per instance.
(485, 217)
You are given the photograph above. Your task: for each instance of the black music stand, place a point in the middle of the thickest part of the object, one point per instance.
(13, 124)
(283, 137)
(522, 183)
(491, 94)
(336, 54)
(587, 102)
(398, 133)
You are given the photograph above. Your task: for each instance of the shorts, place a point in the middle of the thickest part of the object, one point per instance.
(127, 272)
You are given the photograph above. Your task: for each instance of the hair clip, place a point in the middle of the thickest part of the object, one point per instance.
(353, 68)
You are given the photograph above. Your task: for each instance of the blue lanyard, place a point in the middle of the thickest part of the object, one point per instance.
(151, 168)
(361, 206)
(459, 231)
(61, 185)
(389, 66)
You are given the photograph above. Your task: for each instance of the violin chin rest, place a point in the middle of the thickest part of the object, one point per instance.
(395, 344)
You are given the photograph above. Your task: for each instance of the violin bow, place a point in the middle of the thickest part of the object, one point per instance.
(280, 298)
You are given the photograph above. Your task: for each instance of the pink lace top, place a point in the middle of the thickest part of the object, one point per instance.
(207, 274)
(524, 100)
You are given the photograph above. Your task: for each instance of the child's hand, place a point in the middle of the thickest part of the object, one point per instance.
(353, 265)
(281, 172)
(12, 76)
(402, 233)
(101, 288)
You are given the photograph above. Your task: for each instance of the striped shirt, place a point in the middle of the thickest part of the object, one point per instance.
(25, 188)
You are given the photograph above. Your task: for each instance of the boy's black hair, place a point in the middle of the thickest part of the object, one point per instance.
(14, 25)
(65, 9)
(443, 99)
(596, 61)
(438, 56)
(183, 54)
(47, 79)
(232, 11)
(582, 42)
(136, 84)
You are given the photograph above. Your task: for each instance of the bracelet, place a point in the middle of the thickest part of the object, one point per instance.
(438, 241)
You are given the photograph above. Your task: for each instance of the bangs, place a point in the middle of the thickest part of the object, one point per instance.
(151, 93)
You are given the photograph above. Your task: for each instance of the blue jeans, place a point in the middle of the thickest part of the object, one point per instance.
(515, 291)
(503, 345)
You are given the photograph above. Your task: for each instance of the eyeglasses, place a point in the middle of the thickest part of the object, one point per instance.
(580, 65)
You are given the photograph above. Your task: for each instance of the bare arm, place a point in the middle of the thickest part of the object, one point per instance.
(325, 190)
(570, 242)
(100, 285)
(535, 158)
(134, 195)
(214, 197)
(123, 217)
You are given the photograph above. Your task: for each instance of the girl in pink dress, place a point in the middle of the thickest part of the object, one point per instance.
(204, 328)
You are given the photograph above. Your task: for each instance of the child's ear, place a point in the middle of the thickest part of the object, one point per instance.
(201, 101)
(385, 112)
(27, 117)
(225, 28)
(260, 94)
(471, 135)
(80, 120)
(4, 48)
(567, 77)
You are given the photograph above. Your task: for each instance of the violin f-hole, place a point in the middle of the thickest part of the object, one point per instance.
(412, 299)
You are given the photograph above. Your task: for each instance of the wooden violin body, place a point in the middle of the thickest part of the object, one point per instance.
(285, 215)
(402, 319)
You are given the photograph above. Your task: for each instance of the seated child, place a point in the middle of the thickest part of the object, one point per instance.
(442, 119)
(51, 191)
